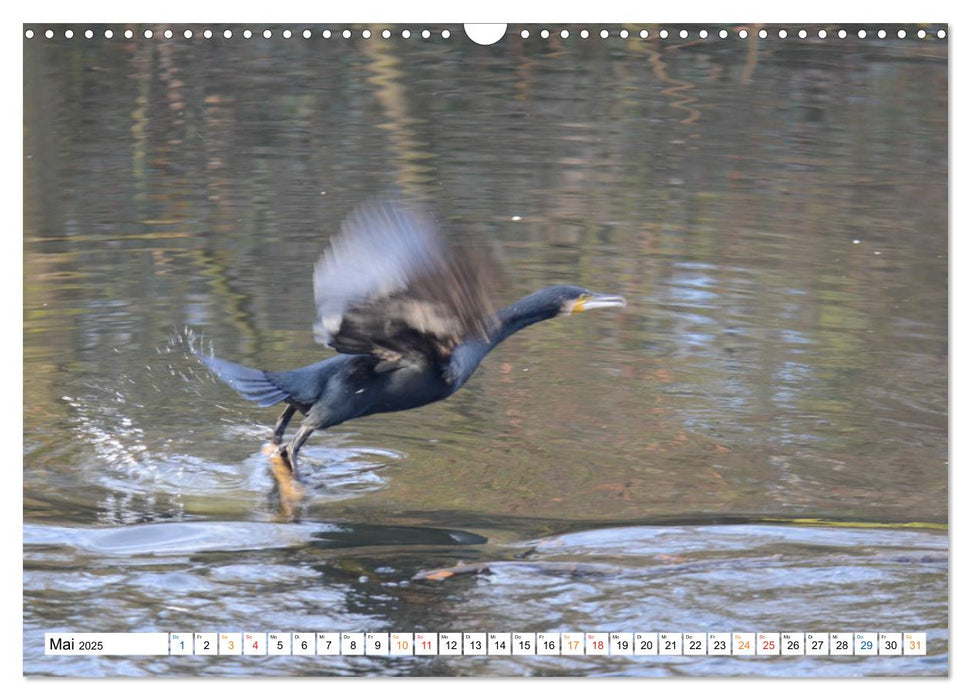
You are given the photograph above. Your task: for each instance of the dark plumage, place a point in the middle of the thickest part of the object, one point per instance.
(410, 318)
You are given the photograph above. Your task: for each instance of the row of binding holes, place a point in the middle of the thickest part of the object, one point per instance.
(741, 33)
(544, 33)
(246, 34)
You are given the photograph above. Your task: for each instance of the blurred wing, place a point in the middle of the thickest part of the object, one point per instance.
(389, 286)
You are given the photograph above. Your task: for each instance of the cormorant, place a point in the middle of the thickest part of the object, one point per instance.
(410, 318)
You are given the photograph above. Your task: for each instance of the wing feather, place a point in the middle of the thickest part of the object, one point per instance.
(390, 286)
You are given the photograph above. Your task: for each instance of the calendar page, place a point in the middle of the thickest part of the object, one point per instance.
(497, 350)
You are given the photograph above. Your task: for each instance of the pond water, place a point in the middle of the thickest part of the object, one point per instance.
(757, 442)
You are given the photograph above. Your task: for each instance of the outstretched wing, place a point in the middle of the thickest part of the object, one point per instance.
(389, 286)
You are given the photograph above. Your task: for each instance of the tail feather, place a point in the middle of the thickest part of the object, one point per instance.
(252, 384)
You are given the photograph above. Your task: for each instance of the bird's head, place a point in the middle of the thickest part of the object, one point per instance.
(561, 300)
(569, 299)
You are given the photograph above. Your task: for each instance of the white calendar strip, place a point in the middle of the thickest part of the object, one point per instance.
(487, 644)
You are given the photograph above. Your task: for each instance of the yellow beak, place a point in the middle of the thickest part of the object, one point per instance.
(597, 301)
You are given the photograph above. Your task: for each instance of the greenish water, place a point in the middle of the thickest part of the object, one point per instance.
(774, 211)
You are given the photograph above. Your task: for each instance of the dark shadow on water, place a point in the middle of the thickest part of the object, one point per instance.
(377, 535)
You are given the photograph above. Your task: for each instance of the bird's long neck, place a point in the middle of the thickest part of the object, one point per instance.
(525, 312)
(520, 314)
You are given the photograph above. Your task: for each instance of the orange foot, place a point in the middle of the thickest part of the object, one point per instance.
(288, 488)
